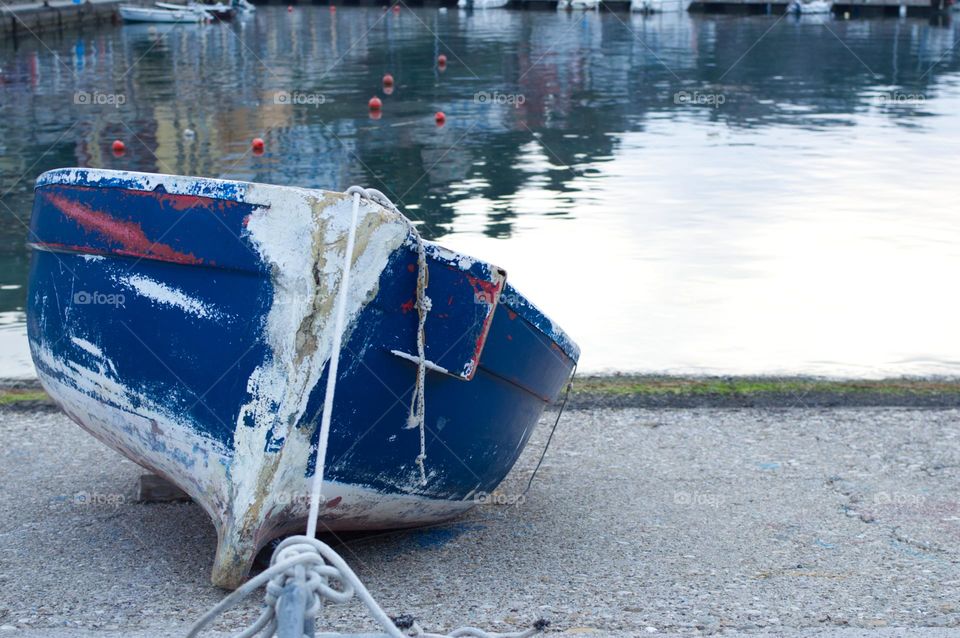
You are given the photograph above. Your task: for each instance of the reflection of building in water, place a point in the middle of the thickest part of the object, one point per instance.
(935, 43)
(538, 105)
(535, 101)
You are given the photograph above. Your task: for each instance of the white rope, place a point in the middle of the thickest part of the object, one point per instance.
(417, 416)
(332, 372)
(418, 408)
(309, 564)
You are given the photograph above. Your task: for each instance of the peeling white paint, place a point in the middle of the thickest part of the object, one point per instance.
(173, 184)
(302, 236)
(282, 235)
(132, 422)
(102, 363)
(83, 344)
(464, 262)
(166, 295)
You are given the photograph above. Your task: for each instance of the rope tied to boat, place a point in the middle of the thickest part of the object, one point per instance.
(304, 570)
(417, 416)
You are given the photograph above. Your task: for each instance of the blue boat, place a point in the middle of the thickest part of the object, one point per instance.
(187, 323)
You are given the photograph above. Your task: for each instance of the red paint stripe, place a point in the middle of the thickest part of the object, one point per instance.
(490, 291)
(128, 235)
(182, 202)
(484, 289)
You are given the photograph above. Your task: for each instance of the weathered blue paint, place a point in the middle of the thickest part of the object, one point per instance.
(104, 233)
(524, 307)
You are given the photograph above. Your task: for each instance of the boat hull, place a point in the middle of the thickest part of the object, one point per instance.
(159, 16)
(659, 6)
(217, 11)
(482, 4)
(186, 324)
(578, 5)
(815, 7)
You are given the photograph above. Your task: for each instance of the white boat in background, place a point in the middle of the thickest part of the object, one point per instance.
(167, 16)
(482, 4)
(812, 7)
(578, 5)
(217, 11)
(196, 8)
(244, 6)
(659, 6)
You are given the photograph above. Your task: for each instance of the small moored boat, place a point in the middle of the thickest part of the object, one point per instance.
(578, 5)
(800, 7)
(218, 11)
(659, 6)
(482, 4)
(158, 15)
(187, 323)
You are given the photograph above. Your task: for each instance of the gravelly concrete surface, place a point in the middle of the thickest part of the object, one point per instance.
(812, 522)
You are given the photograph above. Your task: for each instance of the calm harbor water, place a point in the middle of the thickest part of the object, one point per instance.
(706, 194)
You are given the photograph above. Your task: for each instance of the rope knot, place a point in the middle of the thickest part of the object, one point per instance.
(299, 561)
(413, 421)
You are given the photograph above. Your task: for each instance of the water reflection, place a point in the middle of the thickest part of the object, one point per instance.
(682, 192)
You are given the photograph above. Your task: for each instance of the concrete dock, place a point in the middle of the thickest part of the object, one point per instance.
(847, 8)
(19, 20)
(25, 19)
(788, 522)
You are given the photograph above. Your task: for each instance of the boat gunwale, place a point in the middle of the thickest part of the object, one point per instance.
(236, 190)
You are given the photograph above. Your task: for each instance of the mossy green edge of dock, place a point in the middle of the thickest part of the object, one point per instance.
(659, 391)
(24, 397)
(674, 391)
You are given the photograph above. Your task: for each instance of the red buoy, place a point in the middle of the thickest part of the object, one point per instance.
(257, 145)
(440, 118)
(442, 60)
(333, 8)
(118, 148)
(396, 8)
(289, 8)
(388, 80)
(375, 104)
